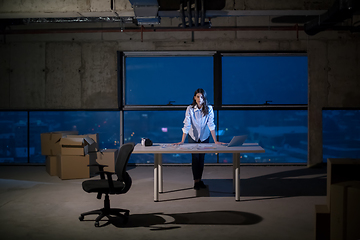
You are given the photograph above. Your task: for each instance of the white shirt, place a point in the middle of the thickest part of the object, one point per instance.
(196, 124)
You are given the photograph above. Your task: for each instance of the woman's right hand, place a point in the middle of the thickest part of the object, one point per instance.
(182, 140)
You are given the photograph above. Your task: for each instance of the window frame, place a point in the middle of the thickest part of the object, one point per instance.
(28, 118)
(122, 82)
(217, 72)
(264, 105)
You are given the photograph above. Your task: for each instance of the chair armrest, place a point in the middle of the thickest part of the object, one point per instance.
(101, 168)
(97, 164)
(109, 178)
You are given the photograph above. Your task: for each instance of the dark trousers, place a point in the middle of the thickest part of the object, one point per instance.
(197, 160)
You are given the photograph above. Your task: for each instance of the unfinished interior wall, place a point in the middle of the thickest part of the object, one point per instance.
(63, 82)
(334, 82)
(23, 82)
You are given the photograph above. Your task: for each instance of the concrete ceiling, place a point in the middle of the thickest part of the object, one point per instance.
(125, 8)
(152, 12)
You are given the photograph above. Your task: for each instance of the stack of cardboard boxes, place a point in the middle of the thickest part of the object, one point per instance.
(48, 148)
(68, 154)
(74, 153)
(107, 157)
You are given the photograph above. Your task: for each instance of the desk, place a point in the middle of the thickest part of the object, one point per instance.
(158, 149)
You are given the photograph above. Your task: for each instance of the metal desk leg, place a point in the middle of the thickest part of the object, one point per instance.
(233, 171)
(156, 177)
(161, 189)
(236, 165)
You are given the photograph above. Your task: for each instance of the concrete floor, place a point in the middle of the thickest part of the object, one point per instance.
(277, 202)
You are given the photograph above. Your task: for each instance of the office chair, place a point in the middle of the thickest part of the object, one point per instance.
(108, 186)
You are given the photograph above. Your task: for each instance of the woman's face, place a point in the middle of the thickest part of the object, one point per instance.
(199, 99)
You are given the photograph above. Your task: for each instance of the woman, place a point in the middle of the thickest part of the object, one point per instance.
(199, 124)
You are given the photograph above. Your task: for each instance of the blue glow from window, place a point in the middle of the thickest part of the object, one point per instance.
(13, 137)
(105, 123)
(282, 133)
(160, 80)
(341, 134)
(257, 79)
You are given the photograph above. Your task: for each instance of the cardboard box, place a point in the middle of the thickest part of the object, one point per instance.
(92, 160)
(322, 222)
(94, 147)
(107, 157)
(74, 146)
(353, 212)
(72, 167)
(341, 170)
(345, 211)
(51, 165)
(48, 141)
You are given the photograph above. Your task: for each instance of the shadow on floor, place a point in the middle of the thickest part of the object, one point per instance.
(300, 182)
(160, 221)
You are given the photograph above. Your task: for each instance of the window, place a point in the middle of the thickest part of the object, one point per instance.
(14, 137)
(163, 84)
(262, 95)
(282, 133)
(165, 80)
(16, 145)
(255, 79)
(341, 134)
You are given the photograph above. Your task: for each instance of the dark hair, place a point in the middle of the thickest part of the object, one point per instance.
(205, 107)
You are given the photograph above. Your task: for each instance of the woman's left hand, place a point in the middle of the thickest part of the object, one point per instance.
(220, 143)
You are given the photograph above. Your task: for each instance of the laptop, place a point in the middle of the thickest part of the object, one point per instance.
(237, 141)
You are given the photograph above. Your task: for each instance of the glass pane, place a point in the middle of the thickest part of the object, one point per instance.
(161, 80)
(159, 127)
(105, 123)
(282, 133)
(14, 137)
(257, 79)
(341, 134)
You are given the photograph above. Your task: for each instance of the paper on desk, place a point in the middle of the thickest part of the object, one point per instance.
(179, 147)
(204, 147)
(189, 147)
(197, 147)
(168, 146)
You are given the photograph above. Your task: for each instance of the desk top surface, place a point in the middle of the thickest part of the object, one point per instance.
(198, 148)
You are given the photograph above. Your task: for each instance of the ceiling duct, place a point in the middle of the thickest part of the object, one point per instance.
(79, 20)
(340, 11)
(194, 12)
(171, 5)
(146, 11)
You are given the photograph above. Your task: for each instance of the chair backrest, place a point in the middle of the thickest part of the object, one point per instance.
(122, 160)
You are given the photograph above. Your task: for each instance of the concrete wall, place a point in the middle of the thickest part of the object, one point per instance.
(334, 82)
(58, 75)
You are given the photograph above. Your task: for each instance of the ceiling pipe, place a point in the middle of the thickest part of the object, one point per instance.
(202, 13)
(196, 18)
(189, 13)
(182, 14)
(340, 11)
(158, 29)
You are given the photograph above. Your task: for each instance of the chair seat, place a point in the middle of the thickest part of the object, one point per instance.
(100, 185)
